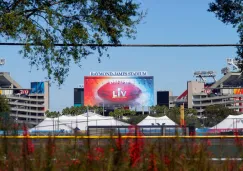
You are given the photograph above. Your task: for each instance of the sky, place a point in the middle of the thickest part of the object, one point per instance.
(167, 22)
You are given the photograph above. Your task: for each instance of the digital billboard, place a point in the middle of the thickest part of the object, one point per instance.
(238, 91)
(118, 90)
(37, 88)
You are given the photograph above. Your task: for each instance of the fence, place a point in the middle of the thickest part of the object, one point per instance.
(110, 126)
(220, 146)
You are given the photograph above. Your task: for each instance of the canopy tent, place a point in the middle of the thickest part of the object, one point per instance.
(69, 123)
(97, 121)
(50, 125)
(91, 114)
(149, 120)
(231, 123)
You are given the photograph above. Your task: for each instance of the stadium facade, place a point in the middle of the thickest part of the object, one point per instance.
(227, 91)
(27, 105)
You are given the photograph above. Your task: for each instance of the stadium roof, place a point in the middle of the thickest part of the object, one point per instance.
(231, 79)
(6, 81)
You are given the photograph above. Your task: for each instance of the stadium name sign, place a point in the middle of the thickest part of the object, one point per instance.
(120, 73)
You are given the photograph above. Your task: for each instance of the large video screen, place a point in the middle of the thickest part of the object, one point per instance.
(37, 88)
(118, 91)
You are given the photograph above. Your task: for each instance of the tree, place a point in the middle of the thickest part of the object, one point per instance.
(190, 116)
(159, 110)
(5, 119)
(230, 12)
(4, 106)
(52, 114)
(48, 22)
(118, 113)
(216, 113)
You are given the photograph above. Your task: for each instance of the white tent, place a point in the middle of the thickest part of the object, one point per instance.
(149, 120)
(51, 125)
(96, 120)
(232, 122)
(69, 123)
(91, 114)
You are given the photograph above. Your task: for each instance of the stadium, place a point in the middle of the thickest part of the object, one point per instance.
(130, 90)
(200, 92)
(27, 105)
(226, 91)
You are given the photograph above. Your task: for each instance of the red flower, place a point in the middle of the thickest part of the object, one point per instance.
(28, 146)
(209, 143)
(237, 139)
(99, 153)
(135, 146)
(152, 161)
(76, 162)
(89, 156)
(195, 148)
(119, 142)
(166, 160)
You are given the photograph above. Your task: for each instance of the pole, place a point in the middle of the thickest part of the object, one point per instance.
(182, 121)
(58, 122)
(53, 126)
(103, 109)
(87, 120)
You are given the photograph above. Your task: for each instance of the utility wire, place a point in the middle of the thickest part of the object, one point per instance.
(128, 45)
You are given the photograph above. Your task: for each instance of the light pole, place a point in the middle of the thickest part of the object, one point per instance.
(58, 114)
(87, 120)
(103, 109)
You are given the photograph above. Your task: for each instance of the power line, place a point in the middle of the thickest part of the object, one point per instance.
(128, 45)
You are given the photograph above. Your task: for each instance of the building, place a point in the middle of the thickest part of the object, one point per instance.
(78, 97)
(227, 91)
(27, 105)
(165, 98)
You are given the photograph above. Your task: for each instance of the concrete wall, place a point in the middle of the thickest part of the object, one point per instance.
(47, 95)
(193, 87)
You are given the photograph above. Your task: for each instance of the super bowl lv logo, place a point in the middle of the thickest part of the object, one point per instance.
(119, 93)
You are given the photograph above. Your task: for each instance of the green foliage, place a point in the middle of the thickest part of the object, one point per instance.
(159, 110)
(134, 119)
(4, 107)
(118, 113)
(230, 12)
(78, 110)
(53, 114)
(216, 113)
(139, 154)
(48, 22)
(5, 120)
(173, 113)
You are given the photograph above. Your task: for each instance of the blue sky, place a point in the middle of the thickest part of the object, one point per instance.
(167, 22)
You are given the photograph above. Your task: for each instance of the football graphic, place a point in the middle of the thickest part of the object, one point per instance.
(119, 92)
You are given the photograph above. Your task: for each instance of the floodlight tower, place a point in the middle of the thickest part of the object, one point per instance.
(204, 74)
